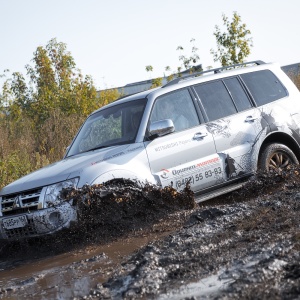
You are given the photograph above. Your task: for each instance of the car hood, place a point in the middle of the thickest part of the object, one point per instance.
(64, 169)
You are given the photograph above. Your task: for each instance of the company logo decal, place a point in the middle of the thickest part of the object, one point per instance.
(17, 202)
(165, 173)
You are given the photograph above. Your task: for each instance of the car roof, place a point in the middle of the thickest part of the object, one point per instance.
(194, 78)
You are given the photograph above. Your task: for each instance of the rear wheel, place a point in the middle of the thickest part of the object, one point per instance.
(276, 157)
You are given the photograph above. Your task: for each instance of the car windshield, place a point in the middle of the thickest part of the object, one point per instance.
(115, 125)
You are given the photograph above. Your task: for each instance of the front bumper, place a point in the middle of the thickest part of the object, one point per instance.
(41, 222)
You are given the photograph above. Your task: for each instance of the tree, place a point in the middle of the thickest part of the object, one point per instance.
(56, 83)
(156, 82)
(233, 45)
(149, 68)
(188, 63)
(55, 87)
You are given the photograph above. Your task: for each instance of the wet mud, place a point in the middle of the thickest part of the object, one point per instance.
(134, 243)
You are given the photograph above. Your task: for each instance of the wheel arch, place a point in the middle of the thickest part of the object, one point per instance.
(123, 175)
(281, 138)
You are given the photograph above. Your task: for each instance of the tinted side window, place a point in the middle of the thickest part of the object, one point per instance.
(264, 86)
(238, 94)
(216, 100)
(177, 106)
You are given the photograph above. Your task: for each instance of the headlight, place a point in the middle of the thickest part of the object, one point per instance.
(53, 191)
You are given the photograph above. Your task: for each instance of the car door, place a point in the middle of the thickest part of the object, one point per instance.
(189, 153)
(233, 121)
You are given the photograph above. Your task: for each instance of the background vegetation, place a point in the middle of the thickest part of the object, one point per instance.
(233, 42)
(40, 113)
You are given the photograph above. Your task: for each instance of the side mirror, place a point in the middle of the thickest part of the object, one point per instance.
(160, 128)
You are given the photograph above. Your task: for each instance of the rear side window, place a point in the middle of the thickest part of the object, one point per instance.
(238, 94)
(264, 86)
(216, 100)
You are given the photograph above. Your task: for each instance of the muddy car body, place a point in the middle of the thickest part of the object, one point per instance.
(212, 129)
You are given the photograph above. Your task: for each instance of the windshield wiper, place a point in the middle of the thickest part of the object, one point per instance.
(106, 146)
(98, 147)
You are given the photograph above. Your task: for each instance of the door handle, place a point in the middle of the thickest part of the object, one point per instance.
(250, 119)
(199, 135)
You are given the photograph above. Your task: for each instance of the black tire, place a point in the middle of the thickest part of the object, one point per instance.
(276, 157)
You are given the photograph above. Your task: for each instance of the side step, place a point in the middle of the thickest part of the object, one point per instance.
(218, 192)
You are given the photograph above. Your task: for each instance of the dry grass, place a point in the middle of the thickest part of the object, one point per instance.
(25, 148)
(295, 78)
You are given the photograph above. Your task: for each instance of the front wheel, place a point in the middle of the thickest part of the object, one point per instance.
(276, 157)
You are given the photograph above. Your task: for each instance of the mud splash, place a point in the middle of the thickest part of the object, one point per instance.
(134, 243)
(114, 221)
(246, 248)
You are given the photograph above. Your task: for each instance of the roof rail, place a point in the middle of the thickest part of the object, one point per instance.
(217, 70)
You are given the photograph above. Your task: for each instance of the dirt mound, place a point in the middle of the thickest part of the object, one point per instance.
(246, 248)
(121, 207)
(244, 245)
(105, 213)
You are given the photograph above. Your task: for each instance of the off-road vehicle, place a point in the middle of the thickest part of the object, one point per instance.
(211, 129)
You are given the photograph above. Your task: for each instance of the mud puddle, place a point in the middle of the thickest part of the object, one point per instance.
(67, 275)
(70, 263)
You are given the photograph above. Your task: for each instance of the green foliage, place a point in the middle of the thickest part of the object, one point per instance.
(156, 82)
(40, 115)
(19, 163)
(149, 68)
(107, 96)
(233, 45)
(56, 83)
(188, 62)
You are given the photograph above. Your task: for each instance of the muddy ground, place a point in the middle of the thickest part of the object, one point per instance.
(159, 244)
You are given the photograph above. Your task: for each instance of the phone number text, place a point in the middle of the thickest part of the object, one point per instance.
(192, 179)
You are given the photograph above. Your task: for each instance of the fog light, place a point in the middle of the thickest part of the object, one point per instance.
(55, 218)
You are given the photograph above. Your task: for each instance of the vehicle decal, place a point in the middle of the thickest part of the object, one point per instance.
(172, 145)
(268, 124)
(214, 172)
(135, 148)
(268, 121)
(208, 170)
(167, 146)
(219, 127)
(165, 174)
(118, 154)
(183, 170)
(242, 138)
(232, 168)
(188, 169)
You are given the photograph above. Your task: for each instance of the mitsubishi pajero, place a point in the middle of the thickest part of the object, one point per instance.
(212, 129)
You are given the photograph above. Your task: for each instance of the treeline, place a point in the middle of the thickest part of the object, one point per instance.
(41, 112)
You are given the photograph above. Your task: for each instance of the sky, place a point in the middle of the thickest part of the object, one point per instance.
(114, 40)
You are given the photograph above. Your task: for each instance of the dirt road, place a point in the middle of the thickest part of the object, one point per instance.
(161, 245)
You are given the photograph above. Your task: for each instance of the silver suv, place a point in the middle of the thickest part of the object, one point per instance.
(212, 129)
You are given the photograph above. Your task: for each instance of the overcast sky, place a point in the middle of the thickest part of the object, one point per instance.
(113, 40)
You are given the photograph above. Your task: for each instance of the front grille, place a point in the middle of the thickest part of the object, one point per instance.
(21, 210)
(20, 203)
(21, 232)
